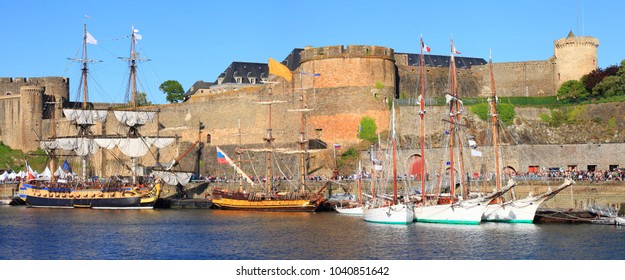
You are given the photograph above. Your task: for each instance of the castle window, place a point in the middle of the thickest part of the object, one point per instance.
(8, 93)
(237, 77)
(594, 62)
(220, 80)
(251, 78)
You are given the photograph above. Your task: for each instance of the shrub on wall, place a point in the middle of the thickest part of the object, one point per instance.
(367, 129)
(505, 111)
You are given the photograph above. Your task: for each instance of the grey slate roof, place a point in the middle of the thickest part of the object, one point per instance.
(198, 85)
(443, 60)
(244, 70)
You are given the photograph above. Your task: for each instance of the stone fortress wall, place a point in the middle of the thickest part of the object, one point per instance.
(354, 81)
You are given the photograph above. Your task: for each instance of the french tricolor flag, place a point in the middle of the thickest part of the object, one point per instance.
(425, 47)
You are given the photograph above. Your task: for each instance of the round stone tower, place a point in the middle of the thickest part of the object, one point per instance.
(575, 56)
(31, 103)
(353, 81)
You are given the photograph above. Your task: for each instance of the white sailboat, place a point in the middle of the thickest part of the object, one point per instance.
(514, 210)
(449, 208)
(385, 210)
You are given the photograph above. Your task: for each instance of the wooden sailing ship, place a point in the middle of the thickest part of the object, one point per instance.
(270, 199)
(112, 193)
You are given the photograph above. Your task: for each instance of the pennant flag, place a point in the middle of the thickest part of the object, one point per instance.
(279, 69)
(425, 47)
(91, 39)
(221, 157)
(337, 146)
(453, 49)
(31, 173)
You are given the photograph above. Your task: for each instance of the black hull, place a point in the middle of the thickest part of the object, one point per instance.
(102, 203)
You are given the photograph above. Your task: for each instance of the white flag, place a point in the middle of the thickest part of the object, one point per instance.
(91, 40)
(137, 35)
(472, 143)
(476, 153)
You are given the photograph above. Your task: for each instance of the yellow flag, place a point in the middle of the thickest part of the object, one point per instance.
(279, 69)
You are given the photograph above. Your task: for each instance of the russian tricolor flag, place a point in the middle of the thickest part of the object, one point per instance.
(221, 158)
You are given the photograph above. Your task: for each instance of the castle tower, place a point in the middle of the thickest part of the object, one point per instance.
(31, 101)
(354, 81)
(575, 56)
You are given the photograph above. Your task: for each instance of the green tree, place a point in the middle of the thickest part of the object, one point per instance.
(610, 86)
(142, 99)
(173, 90)
(572, 91)
(367, 130)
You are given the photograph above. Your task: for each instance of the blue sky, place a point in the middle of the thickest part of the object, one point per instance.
(197, 40)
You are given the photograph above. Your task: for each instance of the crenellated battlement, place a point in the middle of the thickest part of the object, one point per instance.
(354, 51)
(576, 42)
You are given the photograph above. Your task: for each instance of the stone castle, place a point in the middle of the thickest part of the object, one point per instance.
(353, 81)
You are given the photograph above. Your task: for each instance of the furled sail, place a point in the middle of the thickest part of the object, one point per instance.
(82, 117)
(134, 118)
(173, 178)
(82, 146)
(134, 147)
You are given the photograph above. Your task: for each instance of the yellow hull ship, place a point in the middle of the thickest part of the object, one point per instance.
(291, 202)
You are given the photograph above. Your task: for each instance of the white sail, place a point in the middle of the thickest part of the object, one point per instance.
(134, 147)
(134, 118)
(82, 146)
(174, 178)
(81, 116)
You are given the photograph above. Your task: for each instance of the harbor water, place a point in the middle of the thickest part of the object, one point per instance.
(191, 234)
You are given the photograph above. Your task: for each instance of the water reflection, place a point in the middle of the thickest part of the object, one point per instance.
(29, 233)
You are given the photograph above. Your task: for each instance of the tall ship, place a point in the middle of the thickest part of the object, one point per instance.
(513, 209)
(270, 198)
(446, 205)
(115, 192)
(384, 210)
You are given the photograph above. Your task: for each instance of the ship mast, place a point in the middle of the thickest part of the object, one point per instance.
(133, 70)
(452, 83)
(302, 134)
(458, 115)
(82, 130)
(394, 140)
(493, 108)
(422, 124)
(269, 139)
(53, 136)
